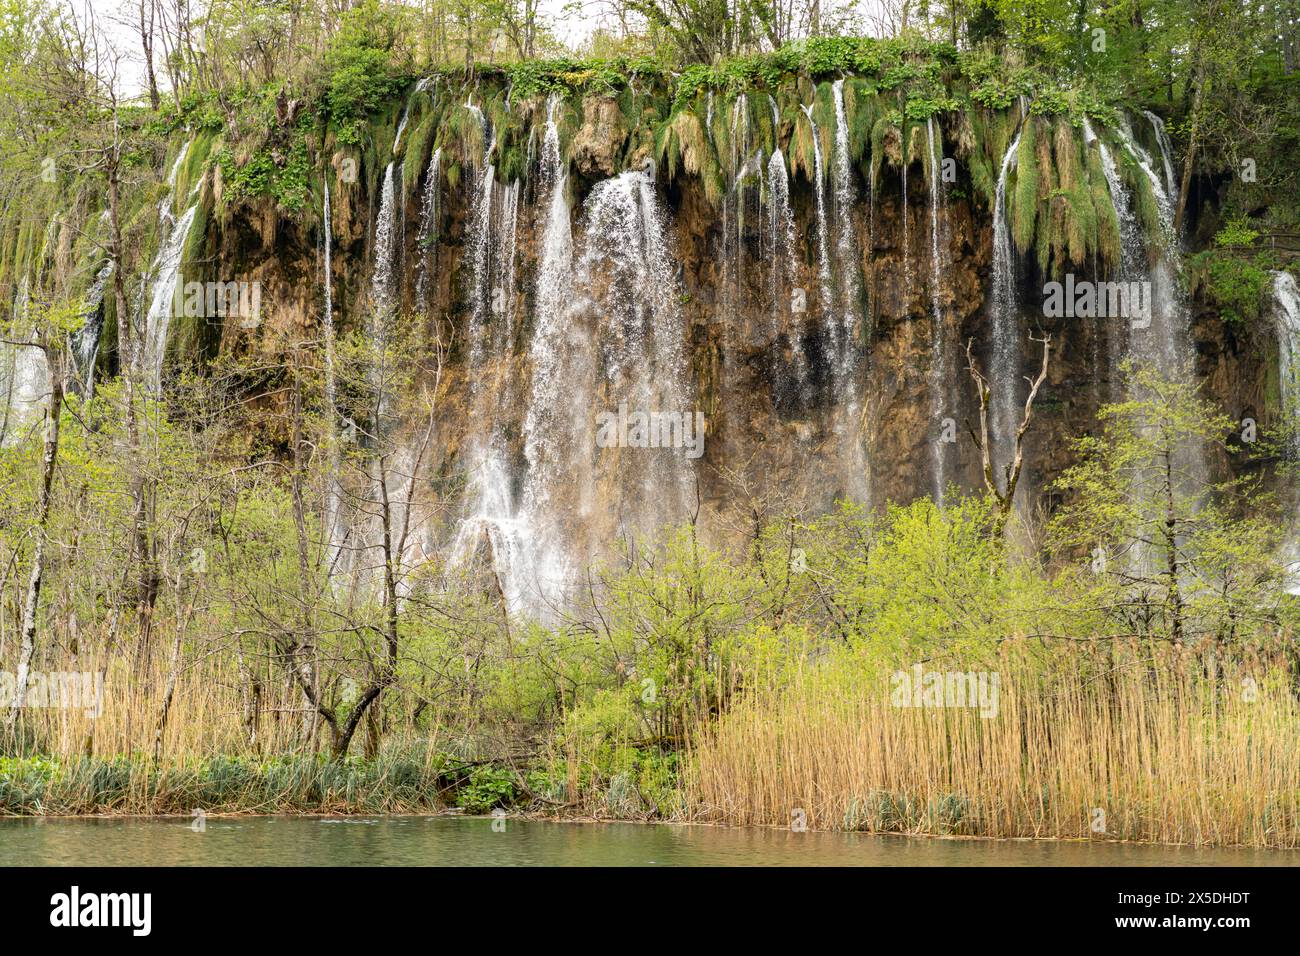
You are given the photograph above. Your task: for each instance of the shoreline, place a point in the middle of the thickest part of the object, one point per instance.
(588, 821)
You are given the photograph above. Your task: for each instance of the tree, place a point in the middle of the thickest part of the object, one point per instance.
(1182, 558)
(48, 338)
(1005, 493)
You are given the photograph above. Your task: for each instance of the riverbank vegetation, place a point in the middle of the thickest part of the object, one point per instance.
(1144, 658)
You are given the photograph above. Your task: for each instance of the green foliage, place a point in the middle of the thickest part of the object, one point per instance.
(1207, 552)
(568, 75)
(395, 781)
(362, 76)
(1234, 283)
(268, 174)
(1238, 232)
(487, 789)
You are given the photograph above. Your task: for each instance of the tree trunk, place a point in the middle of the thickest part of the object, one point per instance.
(49, 459)
(1171, 554)
(1193, 142)
(146, 45)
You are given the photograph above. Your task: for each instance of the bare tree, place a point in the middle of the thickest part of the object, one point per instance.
(1006, 494)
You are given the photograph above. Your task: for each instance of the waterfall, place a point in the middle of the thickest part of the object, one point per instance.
(429, 226)
(84, 343)
(1132, 248)
(1005, 372)
(780, 231)
(503, 289)
(1164, 197)
(420, 87)
(166, 270)
(1131, 254)
(384, 280)
(560, 397)
(333, 490)
(941, 376)
(846, 252)
(1166, 151)
(1167, 342)
(491, 524)
(839, 317)
(492, 537)
(401, 128)
(479, 252)
(823, 243)
(733, 208)
(1286, 298)
(627, 278)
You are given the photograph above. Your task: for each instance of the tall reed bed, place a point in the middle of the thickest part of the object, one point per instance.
(1133, 743)
(228, 745)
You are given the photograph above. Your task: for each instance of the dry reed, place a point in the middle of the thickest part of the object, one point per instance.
(1137, 744)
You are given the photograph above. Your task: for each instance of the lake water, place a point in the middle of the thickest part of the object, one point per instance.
(472, 841)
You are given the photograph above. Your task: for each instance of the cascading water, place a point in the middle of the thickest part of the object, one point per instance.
(1166, 151)
(1130, 236)
(823, 241)
(1166, 343)
(491, 522)
(85, 341)
(166, 272)
(334, 529)
(1286, 309)
(627, 281)
(554, 426)
(733, 210)
(383, 283)
(844, 328)
(840, 315)
(429, 226)
(1004, 374)
(846, 250)
(941, 374)
(1286, 298)
(503, 288)
(1132, 250)
(480, 261)
(780, 252)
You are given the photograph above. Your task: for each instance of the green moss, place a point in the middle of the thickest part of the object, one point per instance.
(1023, 199)
(1108, 242)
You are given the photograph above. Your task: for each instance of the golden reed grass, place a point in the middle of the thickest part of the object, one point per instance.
(215, 710)
(1137, 744)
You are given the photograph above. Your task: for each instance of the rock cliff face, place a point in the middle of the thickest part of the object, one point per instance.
(806, 278)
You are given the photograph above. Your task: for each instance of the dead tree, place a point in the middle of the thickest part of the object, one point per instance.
(1006, 496)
